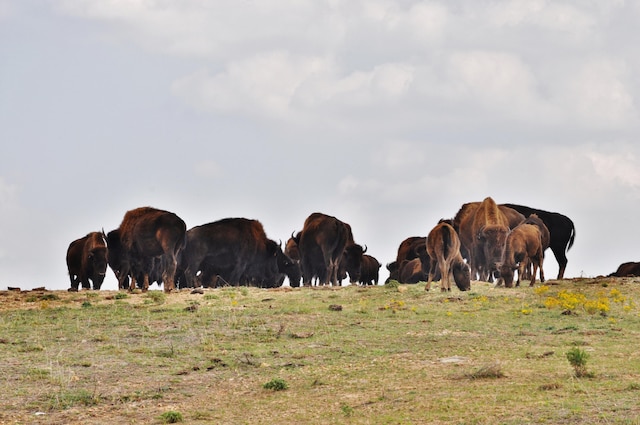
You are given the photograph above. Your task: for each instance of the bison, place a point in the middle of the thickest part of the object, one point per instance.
(482, 231)
(561, 230)
(443, 247)
(409, 249)
(370, 270)
(237, 249)
(326, 242)
(147, 235)
(87, 261)
(523, 244)
(629, 269)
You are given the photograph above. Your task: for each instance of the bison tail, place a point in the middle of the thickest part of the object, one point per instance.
(572, 238)
(446, 239)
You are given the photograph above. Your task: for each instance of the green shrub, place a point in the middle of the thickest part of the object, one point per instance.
(276, 384)
(171, 417)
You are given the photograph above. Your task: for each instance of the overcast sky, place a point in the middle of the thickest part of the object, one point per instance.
(386, 114)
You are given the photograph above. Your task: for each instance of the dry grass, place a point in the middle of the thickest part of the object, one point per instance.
(388, 355)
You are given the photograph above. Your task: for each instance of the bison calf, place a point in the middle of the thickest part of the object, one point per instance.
(443, 247)
(523, 244)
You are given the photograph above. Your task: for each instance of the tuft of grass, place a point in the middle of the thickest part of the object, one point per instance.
(157, 297)
(72, 397)
(171, 417)
(276, 384)
(578, 360)
(488, 371)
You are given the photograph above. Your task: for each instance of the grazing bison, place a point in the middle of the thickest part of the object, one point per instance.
(326, 242)
(370, 270)
(148, 235)
(291, 250)
(561, 230)
(409, 249)
(443, 247)
(523, 244)
(87, 261)
(629, 269)
(237, 249)
(412, 271)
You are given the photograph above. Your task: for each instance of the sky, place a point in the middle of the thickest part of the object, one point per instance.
(386, 114)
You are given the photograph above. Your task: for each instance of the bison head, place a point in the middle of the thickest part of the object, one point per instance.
(98, 259)
(462, 276)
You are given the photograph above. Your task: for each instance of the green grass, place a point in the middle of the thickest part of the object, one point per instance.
(392, 354)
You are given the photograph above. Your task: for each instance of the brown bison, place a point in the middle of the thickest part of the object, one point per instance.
(561, 230)
(87, 261)
(291, 250)
(325, 242)
(410, 248)
(523, 244)
(236, 249)
(629, 269)
(412, 271)
(465, 215)
(443, 247)
(482, 231)
(370, 270)
(149, 234)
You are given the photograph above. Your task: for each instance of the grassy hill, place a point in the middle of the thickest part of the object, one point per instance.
(363, 355)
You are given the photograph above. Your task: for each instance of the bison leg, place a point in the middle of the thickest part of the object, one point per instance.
(432, 271)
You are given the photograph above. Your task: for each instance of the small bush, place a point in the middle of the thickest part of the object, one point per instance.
(276, 384)
(578, 360)
(171, 417)
(490, 371)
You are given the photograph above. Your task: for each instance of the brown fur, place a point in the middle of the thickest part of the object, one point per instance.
(523, 244)
(87, 261)
(485, 233)
(148, 232)
(443, 247)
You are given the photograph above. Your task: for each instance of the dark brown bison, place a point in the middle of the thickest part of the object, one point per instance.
(412, 271)
(629, 269)
(561, 230)
(370, 270)
(291, 250)
(326, 242)
(523, 244)
(443, 247)
(87, 261)
(147, 235)
(409, 249)
(235, 249)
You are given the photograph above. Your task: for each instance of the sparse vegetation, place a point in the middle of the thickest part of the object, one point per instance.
(390, 355)
(171, 417)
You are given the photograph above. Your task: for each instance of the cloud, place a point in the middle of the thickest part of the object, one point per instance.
(617, 168)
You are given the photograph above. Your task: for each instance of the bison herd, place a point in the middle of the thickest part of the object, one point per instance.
(484, 241)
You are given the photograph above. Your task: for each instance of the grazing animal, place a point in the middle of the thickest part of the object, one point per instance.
(412, 271)
(370, 270)
(629, 269)
(326, 242)
(291, 250)
(443, 247)
(561, 230)
(523, 244)
(236, 249)
(409, 249)
(147, 235)
(87, 261)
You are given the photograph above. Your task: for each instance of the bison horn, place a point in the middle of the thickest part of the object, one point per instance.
(365, 249)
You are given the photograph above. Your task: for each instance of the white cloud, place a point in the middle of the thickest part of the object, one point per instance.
(620, 168)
